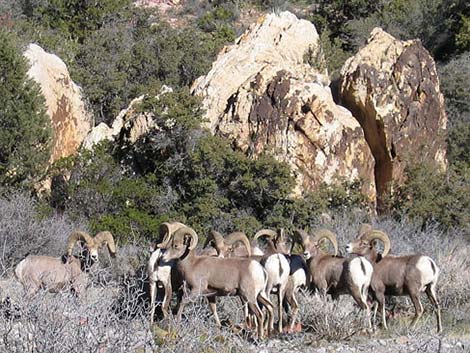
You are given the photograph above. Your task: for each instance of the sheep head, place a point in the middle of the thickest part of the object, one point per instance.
(277, 240)
(92, 244)
(166, 231)
(182, 241)
(366, 241)
(236, 237)
(312, 244)
(216, 239)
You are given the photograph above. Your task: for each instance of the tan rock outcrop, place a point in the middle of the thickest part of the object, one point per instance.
(70, 120)
(127, 127)
(263, 95)
(392, 89)
(102, 132)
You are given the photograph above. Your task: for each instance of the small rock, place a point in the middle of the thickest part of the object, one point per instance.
(402, 340)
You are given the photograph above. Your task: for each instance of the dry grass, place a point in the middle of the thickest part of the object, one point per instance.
(114, 315)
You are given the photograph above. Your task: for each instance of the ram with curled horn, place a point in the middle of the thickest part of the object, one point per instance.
(92, 245)
(397, 275)
(216, 276)
(225, 246)
(334, 274)
(162, 272)
(278, 243)
(167, 229)
(55, 273)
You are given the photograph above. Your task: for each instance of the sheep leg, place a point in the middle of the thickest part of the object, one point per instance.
(263, 299)
(153, 292)
(254, 308)
(418, 308)
(361, 301)
(246, 313)
(269, 324)
(280, 297)
(294, 307)
(374, 307)
(431, 293)
(213, 306)
(167, 298)
(381, 300)
(194, 292)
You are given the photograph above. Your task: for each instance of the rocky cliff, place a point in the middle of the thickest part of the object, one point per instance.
(70, 120)
(392, 89)
(269, 92)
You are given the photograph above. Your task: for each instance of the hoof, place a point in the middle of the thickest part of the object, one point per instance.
(295, 329)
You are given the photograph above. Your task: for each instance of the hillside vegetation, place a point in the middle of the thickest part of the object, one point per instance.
(116, 52)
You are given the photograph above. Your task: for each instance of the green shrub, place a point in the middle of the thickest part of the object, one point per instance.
(454, 77)
(435, 22)
(76, 19)
(430, 194)
(462, 38)
(143, 58)
(25, 136)
(334, 54)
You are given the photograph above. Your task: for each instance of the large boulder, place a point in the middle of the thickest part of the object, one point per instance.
(70, 120)
(392, 89)
(269, 92)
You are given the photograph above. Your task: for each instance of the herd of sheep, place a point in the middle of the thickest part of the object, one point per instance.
(233, 265)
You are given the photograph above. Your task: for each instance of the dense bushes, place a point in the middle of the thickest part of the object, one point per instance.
(118, 63)
(179, 170)
(25, 129)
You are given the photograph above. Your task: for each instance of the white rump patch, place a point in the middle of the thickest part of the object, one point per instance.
(361, 271)
(425, 267)
(259, 275)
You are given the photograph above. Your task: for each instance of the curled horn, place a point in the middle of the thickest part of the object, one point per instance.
(217, 238)
(76, 236)
(166, 231)
(378, 234)
(282, 235)
(301, 235)
(182, 232)
(364, 229)
(265, 232)
(326, 234)
(232, 238)
(106, 238)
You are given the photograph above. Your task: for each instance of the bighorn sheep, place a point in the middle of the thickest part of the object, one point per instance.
(92, 245)
(215, 276)
(225, 247)
(36, 272)
(397, 275)
(333, 274)
(278, 243)
(275, 263)
(163, 272)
